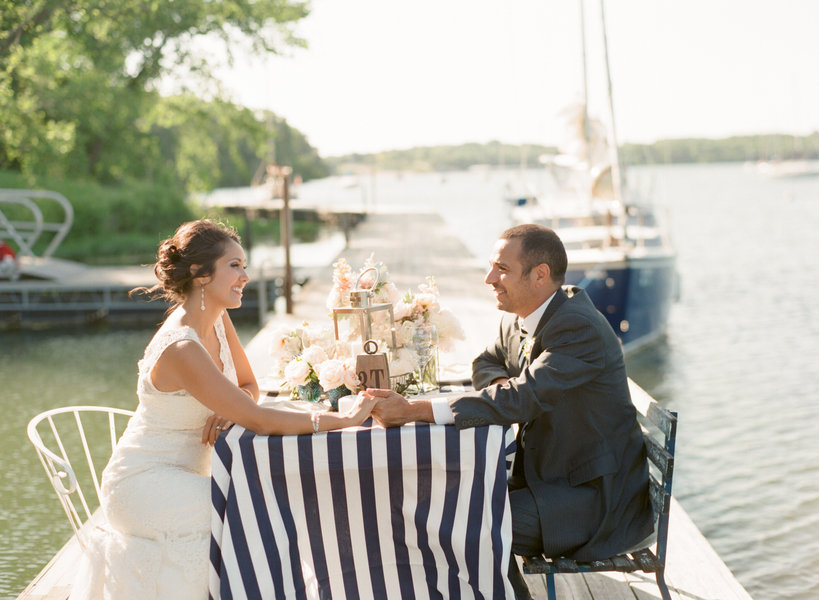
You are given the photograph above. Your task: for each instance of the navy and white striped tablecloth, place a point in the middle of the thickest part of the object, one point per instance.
(419, 511)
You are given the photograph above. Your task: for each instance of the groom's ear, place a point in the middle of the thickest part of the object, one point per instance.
(543, 274)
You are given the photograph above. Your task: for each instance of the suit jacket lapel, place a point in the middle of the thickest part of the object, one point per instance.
(557, 301)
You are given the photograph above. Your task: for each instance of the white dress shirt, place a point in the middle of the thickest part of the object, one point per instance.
(441, 411)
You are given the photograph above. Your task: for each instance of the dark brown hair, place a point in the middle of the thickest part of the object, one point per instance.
(194, 243)
(539, 245)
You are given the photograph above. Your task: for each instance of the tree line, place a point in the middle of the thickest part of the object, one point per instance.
(79, 92)
(497, 154)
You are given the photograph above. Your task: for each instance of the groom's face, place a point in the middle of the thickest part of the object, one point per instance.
(514, 291)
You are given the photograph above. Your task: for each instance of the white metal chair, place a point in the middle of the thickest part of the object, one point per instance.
(69, 441)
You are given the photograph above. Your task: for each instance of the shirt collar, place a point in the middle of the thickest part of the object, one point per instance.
(529, 323)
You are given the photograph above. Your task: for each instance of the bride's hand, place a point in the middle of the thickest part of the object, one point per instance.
(213, 427)
(362, 408)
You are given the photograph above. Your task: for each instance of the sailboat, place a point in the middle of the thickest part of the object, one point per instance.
(619, 250)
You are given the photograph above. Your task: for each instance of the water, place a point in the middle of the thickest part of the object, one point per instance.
(739, 363)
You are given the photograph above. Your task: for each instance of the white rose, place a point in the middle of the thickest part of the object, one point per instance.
(331, 374)
(296, 372)
(278, 339)
(315, 355)
(401, 310)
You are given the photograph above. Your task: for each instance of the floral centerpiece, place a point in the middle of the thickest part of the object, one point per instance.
(421, 324)
(313, 365)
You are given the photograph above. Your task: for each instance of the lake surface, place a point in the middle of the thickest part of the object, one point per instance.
(740, 363)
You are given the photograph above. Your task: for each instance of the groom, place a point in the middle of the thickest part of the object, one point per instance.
(580, 480)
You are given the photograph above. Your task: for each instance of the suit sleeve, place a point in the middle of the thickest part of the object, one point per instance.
(491, 363)
(574, 354)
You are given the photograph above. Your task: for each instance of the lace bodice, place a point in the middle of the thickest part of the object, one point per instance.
(172, 410)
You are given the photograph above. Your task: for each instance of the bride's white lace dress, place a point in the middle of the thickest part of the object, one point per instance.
(156, 494)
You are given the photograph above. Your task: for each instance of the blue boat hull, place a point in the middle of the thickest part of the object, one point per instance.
(634, 294)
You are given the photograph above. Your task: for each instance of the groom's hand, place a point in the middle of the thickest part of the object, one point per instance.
(393, 410)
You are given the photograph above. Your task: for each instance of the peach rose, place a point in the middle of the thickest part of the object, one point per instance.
(331, 374)
(296, 372)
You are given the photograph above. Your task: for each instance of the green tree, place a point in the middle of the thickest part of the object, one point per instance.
(77, 78)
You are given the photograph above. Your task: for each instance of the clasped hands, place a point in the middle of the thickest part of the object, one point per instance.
(391, 409)
(394, 410)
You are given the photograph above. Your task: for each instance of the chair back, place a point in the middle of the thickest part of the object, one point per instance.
(74, 444)
(660, 436)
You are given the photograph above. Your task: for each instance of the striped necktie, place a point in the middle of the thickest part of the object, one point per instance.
(523, 359)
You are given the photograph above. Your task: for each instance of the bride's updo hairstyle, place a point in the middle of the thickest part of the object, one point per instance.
(198, 243)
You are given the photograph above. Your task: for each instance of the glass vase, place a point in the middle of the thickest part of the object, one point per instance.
(310, 392)
(425, 346)
(335, 394)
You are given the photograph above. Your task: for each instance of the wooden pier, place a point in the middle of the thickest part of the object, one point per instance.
(57, 292)
(414, 246)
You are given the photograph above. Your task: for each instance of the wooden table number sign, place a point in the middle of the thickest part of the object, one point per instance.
(372, 368)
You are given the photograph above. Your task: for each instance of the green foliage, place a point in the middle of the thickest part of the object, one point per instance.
(444, 158)
(732, 149)
(78, 99)
(120, 224)
(261, 230)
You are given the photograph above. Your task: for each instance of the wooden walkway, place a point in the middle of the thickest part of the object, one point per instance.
(414, 246)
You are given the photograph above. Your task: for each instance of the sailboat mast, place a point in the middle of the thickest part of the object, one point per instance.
(617, 177)
(586, 133)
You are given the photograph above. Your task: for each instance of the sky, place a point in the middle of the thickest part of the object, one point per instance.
(383, 74)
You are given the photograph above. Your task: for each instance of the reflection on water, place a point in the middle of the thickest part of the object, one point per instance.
(738, 363)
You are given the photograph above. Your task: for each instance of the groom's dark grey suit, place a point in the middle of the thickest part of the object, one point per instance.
(582, 451)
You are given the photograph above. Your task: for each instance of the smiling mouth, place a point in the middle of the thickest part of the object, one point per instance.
(239, 291)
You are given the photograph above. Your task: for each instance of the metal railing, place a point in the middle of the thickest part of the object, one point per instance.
(27, 232)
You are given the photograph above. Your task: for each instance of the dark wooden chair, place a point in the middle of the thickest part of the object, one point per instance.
(660, 433)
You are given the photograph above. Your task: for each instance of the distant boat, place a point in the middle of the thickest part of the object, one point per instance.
(779, 169)
(618, 249)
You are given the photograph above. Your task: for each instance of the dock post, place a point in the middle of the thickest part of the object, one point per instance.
(284, 173)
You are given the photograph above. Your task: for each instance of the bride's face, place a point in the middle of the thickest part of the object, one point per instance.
(229, 278)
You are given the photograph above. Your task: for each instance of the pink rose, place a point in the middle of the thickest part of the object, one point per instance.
(350, 376)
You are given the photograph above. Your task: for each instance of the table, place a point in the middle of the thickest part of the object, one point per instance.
(419, 511)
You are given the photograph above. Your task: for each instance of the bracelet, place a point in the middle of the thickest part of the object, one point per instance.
(314, 417)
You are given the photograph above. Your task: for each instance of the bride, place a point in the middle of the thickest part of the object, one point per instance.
(194, 382)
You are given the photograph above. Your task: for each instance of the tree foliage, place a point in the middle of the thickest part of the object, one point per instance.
(495, 154)
(445, 158)
(78, 89)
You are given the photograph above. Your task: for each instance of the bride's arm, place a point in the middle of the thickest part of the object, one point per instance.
(244, 373)
(187, 365)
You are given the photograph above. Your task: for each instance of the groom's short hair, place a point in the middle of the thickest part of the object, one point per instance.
(539, 245)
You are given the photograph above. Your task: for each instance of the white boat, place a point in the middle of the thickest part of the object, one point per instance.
(778, 169)
(618, 248)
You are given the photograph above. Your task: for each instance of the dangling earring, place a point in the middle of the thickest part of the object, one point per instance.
(202, 305)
